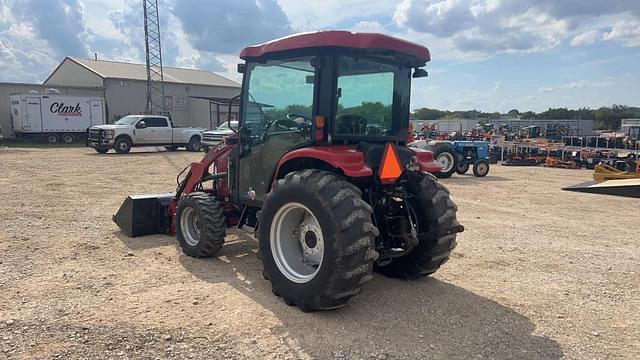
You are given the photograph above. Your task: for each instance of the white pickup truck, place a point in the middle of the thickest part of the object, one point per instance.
(142, 130)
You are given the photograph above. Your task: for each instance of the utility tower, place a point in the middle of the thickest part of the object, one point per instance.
(155, 76)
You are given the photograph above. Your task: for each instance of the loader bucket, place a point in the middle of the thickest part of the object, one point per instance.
(144, 214)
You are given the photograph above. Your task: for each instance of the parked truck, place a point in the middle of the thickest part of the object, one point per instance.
(55, 118)
(143, 130)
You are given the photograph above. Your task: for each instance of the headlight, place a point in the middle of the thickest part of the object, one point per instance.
(109, 133)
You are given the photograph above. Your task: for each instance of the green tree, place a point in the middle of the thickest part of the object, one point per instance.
(427, 114)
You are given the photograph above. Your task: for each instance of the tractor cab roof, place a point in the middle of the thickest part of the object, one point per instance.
(375, 44)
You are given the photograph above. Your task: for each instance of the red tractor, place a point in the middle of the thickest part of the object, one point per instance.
(318, 171)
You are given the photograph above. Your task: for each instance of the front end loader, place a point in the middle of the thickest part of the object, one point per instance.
(318, 171)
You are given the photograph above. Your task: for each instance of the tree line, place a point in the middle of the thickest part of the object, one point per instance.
(604, 117)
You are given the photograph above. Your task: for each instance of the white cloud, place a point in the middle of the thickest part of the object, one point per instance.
(329, 14)
(625, 31)
(24, 56)
(581, 84)
(230, 25)
(368, 26)
(518, 26)
(586, 38)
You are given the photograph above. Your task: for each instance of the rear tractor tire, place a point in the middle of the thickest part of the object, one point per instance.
(444, 154)
(316, 240)
(200, 225)
(437, 228)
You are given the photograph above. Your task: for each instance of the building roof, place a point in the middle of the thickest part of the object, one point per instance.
(108, 69)
(342, 39)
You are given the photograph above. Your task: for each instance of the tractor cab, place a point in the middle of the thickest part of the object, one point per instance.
(318, 171)
(324, 89)
(631, 135)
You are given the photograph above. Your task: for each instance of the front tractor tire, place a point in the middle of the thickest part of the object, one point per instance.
(437, 228)
(316, 240)
(200, 225)
(480, 168)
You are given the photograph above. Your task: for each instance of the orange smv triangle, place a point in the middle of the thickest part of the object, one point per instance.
(391, 169)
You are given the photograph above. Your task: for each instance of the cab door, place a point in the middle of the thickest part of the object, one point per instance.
(142, 133)
(160, 130)
(277, 109)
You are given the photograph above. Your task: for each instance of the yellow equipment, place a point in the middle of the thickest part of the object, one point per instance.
(607, 172)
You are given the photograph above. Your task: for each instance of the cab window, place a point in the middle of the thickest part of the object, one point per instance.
(155, 122)
(280, 99)
(365, 97)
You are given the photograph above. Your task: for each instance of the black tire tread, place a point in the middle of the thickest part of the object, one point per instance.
(434, 248)
(354, 239)
(190, 147)
(122, 138)
(213, 224)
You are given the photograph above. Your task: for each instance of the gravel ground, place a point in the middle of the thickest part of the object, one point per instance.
(538, 274)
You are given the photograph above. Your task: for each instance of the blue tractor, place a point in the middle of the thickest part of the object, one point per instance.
(457, 156)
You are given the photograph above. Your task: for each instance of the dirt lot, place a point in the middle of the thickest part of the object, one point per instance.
(538, 274)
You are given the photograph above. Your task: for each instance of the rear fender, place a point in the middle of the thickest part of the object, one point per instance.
(342, 159)
(425, 160)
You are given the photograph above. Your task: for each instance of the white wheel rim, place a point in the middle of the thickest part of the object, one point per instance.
(122, 145)
(297, 243)
(482, 168)
(446, 161)
(190, 226)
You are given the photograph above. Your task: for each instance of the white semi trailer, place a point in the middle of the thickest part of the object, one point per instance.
(56, 118)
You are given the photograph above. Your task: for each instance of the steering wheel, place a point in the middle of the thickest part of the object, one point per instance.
(289, 123)
(351, 124)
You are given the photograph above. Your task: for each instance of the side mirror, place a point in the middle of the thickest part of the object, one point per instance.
(418, 73)
(242, 68)
(141, 124)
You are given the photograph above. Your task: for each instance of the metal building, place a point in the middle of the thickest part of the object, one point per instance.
(123, 86)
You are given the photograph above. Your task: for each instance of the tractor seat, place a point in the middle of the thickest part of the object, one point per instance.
(351, 124)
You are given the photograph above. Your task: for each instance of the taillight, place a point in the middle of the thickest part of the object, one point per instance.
(319, 122)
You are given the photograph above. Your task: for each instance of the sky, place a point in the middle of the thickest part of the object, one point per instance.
(489, 55)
